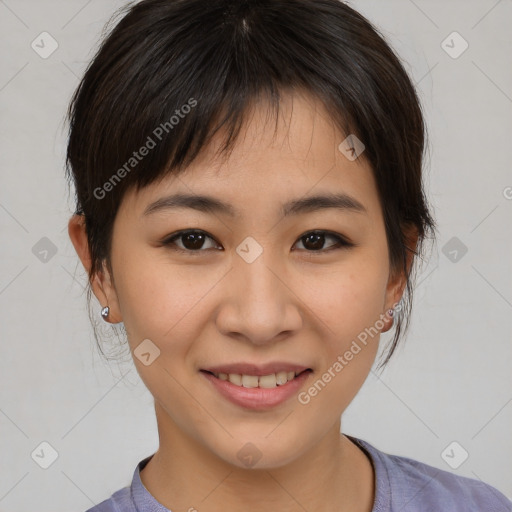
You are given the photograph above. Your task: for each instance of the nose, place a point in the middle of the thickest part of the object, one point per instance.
(260, 304)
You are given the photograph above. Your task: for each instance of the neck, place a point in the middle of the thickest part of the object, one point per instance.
(184, 475)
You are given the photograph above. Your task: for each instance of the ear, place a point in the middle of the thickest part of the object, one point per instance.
(102, 282)
(398, 281)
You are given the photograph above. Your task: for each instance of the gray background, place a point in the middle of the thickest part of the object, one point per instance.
(450, 381)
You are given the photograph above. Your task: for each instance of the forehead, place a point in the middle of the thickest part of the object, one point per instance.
(273, 160)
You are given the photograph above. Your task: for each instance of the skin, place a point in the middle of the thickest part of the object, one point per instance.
(291, 304)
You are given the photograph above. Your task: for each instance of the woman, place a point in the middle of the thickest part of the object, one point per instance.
(254, 268)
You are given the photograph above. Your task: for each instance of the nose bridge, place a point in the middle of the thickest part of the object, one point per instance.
(261, 285)
(252, 266)
(260, 306)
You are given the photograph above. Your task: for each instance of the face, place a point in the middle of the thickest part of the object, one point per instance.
(253, 285)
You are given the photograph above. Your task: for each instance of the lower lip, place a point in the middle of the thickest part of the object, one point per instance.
(257, 398)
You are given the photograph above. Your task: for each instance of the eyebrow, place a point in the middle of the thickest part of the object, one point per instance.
(208, 204)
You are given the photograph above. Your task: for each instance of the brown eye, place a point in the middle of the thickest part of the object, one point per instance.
(191, 241)
(314, 241)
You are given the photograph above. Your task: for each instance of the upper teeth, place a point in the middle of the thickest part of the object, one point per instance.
(253, 381)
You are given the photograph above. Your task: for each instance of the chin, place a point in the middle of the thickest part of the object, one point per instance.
(260, 453)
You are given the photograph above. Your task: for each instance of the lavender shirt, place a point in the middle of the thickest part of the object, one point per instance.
(401, 485)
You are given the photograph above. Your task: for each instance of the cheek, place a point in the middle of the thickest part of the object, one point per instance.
(349, 304)
(161, 301)
(349, 299)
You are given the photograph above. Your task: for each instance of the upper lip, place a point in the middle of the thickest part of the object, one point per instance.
(257, 369)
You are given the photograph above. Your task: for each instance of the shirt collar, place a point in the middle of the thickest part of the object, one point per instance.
(145, 502)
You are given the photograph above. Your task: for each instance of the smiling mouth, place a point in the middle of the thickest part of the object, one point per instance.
(270, 381)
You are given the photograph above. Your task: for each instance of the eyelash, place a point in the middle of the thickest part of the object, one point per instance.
(341, 242)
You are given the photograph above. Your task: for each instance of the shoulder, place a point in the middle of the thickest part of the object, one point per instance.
(120, 501)
(421, 483)
(130, 498)
(410, 485)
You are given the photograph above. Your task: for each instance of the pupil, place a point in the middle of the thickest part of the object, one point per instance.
(317, 239)
(197, 240)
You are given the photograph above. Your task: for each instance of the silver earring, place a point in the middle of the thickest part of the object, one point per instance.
(104, 312)
(391, 312)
